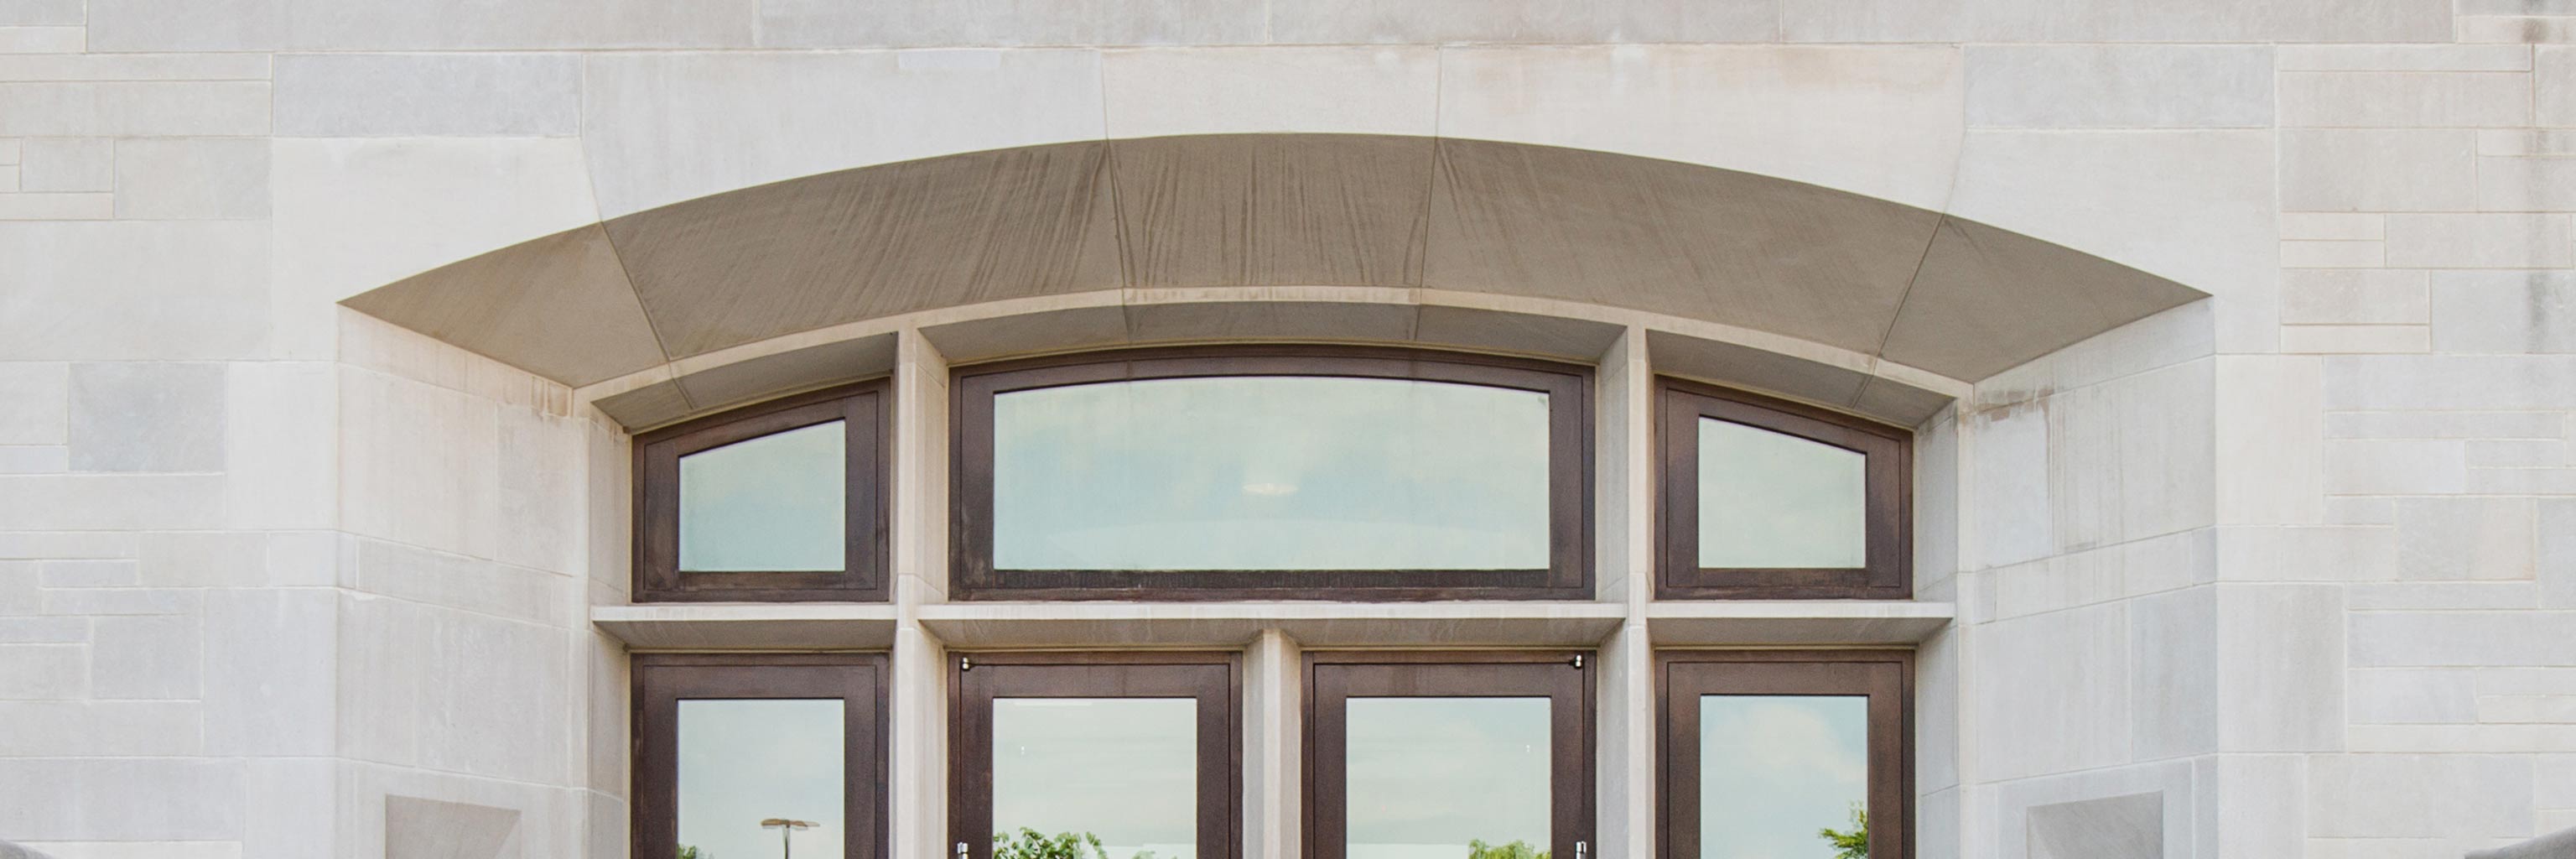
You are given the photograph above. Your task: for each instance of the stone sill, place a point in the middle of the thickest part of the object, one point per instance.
(1000, 625)
(1479, 624)
(749, 626)
(1800, 622)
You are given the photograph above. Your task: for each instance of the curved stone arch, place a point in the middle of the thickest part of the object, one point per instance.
(1364, 234)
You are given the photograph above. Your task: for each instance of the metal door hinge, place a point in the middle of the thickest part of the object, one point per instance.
(965, 663)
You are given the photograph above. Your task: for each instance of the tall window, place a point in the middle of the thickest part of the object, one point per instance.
(1261, 472)
(1781, 753)
(781, 501)
(1768, 499)
(1445, 754)
(741, 755)
(1132, 756)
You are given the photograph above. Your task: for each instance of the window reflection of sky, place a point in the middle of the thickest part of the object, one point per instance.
(772, 503)
(1769, 500)
(1775, 769)
(1124, 769)
(1426, 775)
(1255, 473)
(744, 761)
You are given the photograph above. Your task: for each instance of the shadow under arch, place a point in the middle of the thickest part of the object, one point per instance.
(1383, 217)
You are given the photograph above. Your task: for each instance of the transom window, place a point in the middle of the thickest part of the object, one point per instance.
(1270, 472)
(1763, 498)
(780, 501)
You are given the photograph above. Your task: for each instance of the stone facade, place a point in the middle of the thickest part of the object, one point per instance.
(280, 580)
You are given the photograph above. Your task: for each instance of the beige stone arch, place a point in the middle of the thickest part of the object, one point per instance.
(1833, 297)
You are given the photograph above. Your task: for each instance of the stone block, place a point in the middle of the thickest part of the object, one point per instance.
(423, 95)
(134, 108)
(147, 417)
(281, 445)
(191, 178)
(2405, 99)
(2307, 553)
(2009, 500)
(1353, 90)
(2504, 311)
(2334, 226)
(2355, 298)
(97, 573)
(2556, 567)
(2405, 58)
(2120, 827)
(2392, 696)
(417, 464)
(2269, 429)
(271, 660)
(2042, 21)
(39, 398)
(456, 581)
(99, 729)
(2173, 674)
(2356, 339)
(63, 164)
(660, 128)
(827, 24)
(2484, 240)
(41, 40)
(74, 502)
(43, 672)
(2069, 701)
(443, 689)
(2434, 639)
(2421, 796)
(133, 290)
(350, 25)
(2466, 538)
(2396, 467)
(2337, 254)
(2554, 76)
(2281, 684)
(146, 658)
(1529, 21)
(41, 12)
(2494, 383)
(2119, 86)
(95, 799)
(2379, 170)
(2527, 184)
(1883, 122)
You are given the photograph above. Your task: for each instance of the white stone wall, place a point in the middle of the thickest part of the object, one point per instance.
(2300, 560)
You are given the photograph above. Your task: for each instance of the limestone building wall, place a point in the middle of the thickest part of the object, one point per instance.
(2297, 562)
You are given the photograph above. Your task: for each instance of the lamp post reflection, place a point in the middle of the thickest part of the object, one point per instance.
(786, 828)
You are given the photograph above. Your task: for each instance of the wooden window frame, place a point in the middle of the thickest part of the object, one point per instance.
(1334, 677)
(1214, 679)
(1570, 419)
(866, 412)
(1888, 573)
(1885, 677)
(859, 680)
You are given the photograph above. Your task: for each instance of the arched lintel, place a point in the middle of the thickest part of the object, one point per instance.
(1105, 319)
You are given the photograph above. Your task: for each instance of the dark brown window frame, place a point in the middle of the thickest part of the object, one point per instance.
(1889, 466)
(1570, 419)
(1334, 677)
(661, 681)
(866, 410)
(1886, 677)
(1215, 679)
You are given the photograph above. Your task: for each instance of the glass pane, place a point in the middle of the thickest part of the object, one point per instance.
(771, 504)
(744, 763)
(1768, 500)
(1270, 473)
(1123, 771)
(1782, 777)
(1436, 778)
